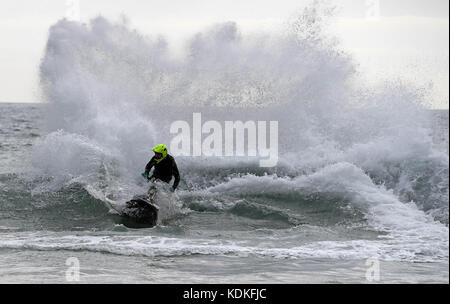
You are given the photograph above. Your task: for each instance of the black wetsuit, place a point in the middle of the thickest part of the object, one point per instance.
(164, 170)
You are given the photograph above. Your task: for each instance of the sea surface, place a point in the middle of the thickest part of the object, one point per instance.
(286, 231)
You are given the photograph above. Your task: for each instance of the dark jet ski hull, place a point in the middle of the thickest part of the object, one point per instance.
(141, 210)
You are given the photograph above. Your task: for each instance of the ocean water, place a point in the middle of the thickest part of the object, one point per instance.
(243, 234)
(361, 185)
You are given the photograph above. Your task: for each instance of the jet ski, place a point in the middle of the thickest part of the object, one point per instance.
(142, 209)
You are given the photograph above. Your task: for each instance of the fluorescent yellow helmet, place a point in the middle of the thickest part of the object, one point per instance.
(162, 149)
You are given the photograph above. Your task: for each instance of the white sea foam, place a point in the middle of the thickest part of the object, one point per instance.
(166, 246)
(112, 94)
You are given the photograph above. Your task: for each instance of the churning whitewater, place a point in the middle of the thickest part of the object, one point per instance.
(360, 173)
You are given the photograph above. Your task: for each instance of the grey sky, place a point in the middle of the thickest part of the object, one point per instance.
(410, 40)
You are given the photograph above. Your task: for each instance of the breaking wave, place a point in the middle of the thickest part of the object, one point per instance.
(362, 153)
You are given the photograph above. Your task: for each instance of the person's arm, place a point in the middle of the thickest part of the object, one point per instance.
(149, 166)
(176, 174)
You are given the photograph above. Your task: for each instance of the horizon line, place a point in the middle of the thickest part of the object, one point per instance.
(38, 102)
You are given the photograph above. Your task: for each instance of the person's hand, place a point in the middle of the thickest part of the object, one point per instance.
(172, 189)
